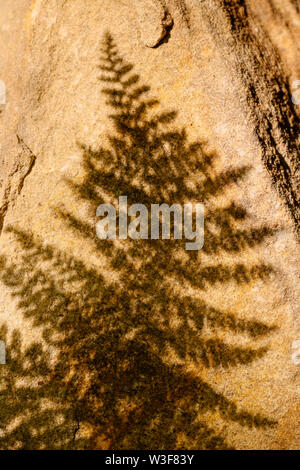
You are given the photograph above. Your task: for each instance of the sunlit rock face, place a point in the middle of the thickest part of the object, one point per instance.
(142, 344)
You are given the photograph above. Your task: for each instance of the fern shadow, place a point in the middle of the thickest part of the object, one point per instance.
(113, 369)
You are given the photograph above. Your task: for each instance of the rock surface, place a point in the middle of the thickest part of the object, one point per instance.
(153, 20)
(225, 68)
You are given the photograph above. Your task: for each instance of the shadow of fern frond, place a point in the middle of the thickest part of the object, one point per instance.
(123, 349)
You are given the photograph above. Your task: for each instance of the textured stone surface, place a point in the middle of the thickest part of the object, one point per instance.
(153, 20)
(225, 68)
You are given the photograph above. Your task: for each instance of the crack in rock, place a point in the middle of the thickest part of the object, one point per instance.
(154, 21)
(30, 166)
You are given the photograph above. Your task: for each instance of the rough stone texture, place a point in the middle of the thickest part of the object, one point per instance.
(153, 20)
(225, 67)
